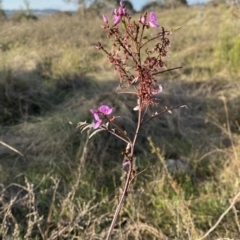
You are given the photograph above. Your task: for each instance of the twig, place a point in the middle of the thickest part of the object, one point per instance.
(168, 70)
(11, 148)
(116, 135)
(164, 111)
(221, 217)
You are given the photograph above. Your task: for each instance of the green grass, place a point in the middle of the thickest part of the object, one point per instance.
(66, 187)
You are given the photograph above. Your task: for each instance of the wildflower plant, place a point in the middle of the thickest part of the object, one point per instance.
(137, 67)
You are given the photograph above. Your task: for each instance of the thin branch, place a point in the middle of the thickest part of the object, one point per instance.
(121, 131)
(168, 70)
(128, 93)
(138, 127)
(136, 175)
(11, 148)
(164, 111)
(149, 40)
(221, 217)
(116, 135)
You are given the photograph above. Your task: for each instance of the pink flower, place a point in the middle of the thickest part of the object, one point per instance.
(121, 4)
(119, 13)
(105, 19)
(97, 118)
(105, 110)
(153, 20)
(142, 20)
(117, 19)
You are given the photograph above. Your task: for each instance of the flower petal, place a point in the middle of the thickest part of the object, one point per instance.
(105, 19)
(152, 16)
(143, 20)
(117, 20)
(93, 111)
(97, 124)
(120, 11)
(106, 110)
(153, 20)
(153, 24)
(121, 4)
(97, 118)
(136, 108)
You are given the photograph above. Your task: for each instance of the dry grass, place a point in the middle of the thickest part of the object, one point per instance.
(66, 187)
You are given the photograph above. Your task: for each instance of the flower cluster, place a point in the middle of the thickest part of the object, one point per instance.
(152, 21)
(126, 56)
(129, 44)
(118, 14)
(103, 110)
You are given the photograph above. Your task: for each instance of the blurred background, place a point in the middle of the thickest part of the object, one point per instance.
(55, 183)
(73, 4)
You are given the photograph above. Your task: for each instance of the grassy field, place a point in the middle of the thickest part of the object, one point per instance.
(57, 184)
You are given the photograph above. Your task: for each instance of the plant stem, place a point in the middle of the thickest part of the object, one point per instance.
(119, 207)
(129, 175)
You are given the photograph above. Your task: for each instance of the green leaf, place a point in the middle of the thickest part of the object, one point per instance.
(124, 24)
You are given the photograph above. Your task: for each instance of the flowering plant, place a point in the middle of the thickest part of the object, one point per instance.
(137, 68)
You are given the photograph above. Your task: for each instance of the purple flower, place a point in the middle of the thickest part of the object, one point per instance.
(121, 4)
(105, 110)
(153, 20)
(119, 13)
(97, 118)
(105, 19)
(117, 19)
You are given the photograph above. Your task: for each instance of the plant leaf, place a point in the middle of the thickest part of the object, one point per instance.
(99, 130)
(86, 127)
(184, 106)
(176, 29)
(80, 124)
(136, 108)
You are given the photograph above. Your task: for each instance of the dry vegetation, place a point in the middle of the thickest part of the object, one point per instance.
(55, 184)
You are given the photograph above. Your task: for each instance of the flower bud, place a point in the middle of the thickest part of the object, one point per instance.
(105, 19)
